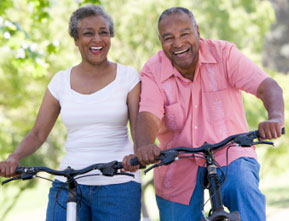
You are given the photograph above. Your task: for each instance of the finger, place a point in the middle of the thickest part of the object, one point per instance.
(156, 152)
(12, 170)
(145, 159)
(261, 131)
(274, 132)
(267, 131)
(2, 172)
(151, 157)
(133, 168)
(142, 156)
(279, 130)
(6, 172)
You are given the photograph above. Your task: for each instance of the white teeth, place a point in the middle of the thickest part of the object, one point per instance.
(96, 48)
(179, 52)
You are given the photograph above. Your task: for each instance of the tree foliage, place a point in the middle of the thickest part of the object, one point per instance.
(34, 45)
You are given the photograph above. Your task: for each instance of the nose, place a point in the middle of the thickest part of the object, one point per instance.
(177, 42)
(96, 37)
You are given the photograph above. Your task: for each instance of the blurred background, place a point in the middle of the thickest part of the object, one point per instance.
(34, 45)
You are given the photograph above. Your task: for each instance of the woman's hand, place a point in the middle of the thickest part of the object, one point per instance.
(126, 164)
(8, 167)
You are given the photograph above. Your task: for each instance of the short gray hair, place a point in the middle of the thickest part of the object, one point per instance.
(177, 10)
(87, 11)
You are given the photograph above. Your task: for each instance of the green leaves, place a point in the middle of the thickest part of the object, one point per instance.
(83, 2)
(34, 45)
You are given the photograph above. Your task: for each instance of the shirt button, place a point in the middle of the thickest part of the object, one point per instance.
(196, 127)
(196, 106)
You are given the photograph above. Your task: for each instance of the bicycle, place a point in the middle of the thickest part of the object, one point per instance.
(106, 169)
(212, 179)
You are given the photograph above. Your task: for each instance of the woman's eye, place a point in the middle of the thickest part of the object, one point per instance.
(88, 33)
(104, 33)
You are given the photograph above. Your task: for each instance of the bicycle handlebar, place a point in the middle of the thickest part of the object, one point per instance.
(107, 169)
(243, 139)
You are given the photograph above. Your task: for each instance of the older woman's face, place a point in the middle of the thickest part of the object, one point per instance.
(93, 39)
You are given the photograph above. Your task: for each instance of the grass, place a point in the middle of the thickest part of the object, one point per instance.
(276, 189)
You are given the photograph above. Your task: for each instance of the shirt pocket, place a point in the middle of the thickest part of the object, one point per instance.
(174, 117)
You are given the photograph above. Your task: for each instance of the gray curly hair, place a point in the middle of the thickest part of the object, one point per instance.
(86, 11)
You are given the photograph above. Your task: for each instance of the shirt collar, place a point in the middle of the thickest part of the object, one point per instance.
(205, 55)
(167, 69)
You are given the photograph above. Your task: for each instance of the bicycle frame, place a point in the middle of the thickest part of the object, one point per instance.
(213, 184)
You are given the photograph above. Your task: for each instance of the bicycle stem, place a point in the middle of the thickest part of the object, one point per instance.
(71, 211)
(213, 180)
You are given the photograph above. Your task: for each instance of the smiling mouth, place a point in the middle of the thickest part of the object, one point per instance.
(95, 49)
(181, 51)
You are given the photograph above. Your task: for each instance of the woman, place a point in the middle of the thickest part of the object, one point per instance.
(95, 99)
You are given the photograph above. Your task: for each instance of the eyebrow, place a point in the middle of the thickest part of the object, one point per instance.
(167, 33)
(91, 29)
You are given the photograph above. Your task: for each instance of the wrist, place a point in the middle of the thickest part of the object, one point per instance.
(14, 157)
(276, 116)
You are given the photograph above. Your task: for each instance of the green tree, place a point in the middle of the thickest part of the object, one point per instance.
(34, 45)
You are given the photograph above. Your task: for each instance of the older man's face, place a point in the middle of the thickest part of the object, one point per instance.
(180, 41)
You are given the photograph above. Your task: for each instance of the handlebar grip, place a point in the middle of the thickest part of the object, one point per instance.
(134, 161)
(258, 134)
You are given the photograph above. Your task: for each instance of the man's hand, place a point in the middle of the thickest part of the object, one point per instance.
(148, 154)
(270, 129)
(272, 96)
(8, 167)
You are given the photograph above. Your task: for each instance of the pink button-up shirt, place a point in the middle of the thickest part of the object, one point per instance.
(208, 109)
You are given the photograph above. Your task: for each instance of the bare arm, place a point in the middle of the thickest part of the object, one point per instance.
(47, 115)
(133, 106)
(272, 96)
(147, 127)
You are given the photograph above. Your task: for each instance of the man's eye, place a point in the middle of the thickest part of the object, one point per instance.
(168, 38)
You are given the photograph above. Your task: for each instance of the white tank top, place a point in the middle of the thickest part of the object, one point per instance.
(96, 124)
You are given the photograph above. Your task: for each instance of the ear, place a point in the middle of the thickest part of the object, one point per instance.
(76, 42)
(198, 31)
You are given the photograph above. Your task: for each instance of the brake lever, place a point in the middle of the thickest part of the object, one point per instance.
(108, 171)
(152, 167)
(21, 177)
(125, 173)
(10, 179)
(166, 157)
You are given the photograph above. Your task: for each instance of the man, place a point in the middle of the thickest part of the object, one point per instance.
(191, 93)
